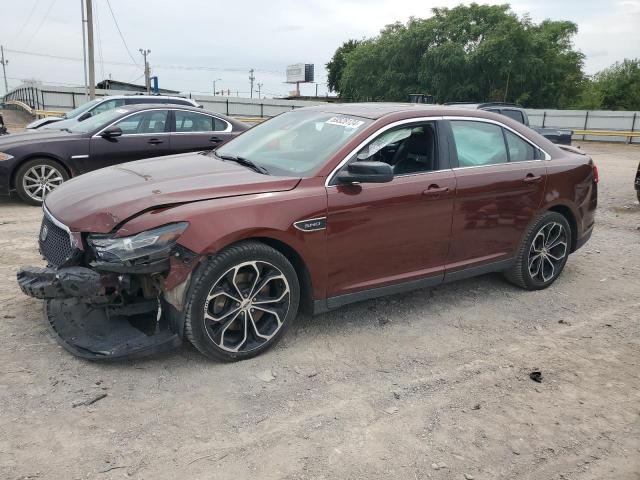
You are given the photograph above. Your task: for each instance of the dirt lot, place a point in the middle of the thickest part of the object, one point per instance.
(429, 384)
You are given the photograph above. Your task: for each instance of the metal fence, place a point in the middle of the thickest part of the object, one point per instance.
(589, 120)
(45, 97)
(62, 99)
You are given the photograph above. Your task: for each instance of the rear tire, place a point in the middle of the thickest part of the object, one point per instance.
(543, 253)
(36, 178)
(242, 302)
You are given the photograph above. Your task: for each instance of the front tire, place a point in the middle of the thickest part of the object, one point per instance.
(36, 178)
(543, 253)
(242, 302)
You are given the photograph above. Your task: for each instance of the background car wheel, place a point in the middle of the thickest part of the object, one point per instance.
(242, 303)
(543, 254)
(37, 178)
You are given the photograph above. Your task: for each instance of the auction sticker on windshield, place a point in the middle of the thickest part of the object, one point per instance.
(345, 122)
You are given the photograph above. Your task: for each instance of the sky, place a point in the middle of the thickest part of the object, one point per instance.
(194, 42)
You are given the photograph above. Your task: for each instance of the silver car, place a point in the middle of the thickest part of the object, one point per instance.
(104, 104)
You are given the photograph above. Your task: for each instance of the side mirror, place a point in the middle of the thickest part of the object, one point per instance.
(84, 116)
(111, 132)
(366, 172)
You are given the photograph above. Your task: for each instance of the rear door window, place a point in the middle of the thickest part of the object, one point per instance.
(513, 114)
(197, 122)
(478, 143)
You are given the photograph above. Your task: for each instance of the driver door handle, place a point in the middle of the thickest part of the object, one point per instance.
(215, 139)
(531, 178)
(155, 141)
(435, 190)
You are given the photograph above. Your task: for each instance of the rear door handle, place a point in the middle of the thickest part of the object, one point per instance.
(154, 141)
(435, 190)
(531, 178)
(215, 139)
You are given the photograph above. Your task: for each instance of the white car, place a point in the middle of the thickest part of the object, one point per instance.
(104, 104)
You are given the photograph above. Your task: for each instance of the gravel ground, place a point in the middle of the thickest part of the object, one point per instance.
(429, 384)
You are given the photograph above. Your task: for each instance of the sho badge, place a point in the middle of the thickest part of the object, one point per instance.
(44, 231)
(312, 224)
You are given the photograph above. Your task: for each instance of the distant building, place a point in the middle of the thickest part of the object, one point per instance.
(130, 87)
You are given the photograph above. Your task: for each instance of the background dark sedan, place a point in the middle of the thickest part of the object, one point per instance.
(33, 164)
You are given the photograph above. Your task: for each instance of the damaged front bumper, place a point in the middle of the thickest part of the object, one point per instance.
(101, 314)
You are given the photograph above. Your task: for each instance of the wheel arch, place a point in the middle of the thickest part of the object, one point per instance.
(34, 156)
(567, 213)
(299, 265)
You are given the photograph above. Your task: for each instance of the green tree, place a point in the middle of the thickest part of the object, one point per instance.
(467, 53)
(614, 88)
(337, 63)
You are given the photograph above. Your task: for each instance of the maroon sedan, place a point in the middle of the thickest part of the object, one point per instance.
(316, 208)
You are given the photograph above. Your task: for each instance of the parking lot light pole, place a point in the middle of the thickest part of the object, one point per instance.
(214, 85)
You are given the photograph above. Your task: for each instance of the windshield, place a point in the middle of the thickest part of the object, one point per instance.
(82, 108)
(97, 121)
(296, 143)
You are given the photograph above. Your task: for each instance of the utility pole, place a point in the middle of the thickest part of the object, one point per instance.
(147, 70)
(251, 79)
(84, 51)
(4, 71)
(214, 85)
(92, 72)
(259, 87)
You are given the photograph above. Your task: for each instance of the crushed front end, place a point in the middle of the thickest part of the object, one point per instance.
(110, 297)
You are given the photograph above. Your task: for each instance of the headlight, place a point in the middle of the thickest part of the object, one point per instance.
(151, 243)
(5, 156)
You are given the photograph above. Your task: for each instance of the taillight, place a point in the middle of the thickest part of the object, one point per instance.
(596, 176)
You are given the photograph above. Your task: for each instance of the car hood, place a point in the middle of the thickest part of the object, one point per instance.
(43, 121)
(35, 137)
(60, 124)
(99, 201)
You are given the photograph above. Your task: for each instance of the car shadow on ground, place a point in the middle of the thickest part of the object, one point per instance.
(430, 305)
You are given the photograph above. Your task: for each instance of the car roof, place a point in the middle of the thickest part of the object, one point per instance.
(375, 111)
(146, 106)
(135, 95)
(505, 105)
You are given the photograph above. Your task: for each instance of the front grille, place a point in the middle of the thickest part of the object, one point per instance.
(55, 242)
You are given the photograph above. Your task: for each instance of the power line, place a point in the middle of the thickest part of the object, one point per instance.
(46, 15)
(168, 67)
(120, 32)
(99, 42)
(24, 25)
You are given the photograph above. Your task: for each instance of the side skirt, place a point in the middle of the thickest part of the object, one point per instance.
(322, 306)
